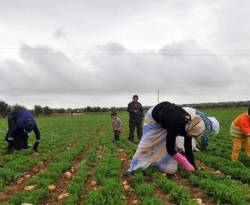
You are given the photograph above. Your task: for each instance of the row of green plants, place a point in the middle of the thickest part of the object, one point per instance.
(220, 188)
(53, 172)
(177, 194)
(76, 186)
(17, 163)
(145, 191)
(235, 169)
(107, 175)
(221, 145)
(223, 190)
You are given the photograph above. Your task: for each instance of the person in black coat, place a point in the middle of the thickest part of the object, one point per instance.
(20, 124)
(163, 123)
(136, 115)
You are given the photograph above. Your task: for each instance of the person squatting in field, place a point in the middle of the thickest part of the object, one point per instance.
(212, 126)
(136, 115)
(116, 125)
(20, 124)
(163, 123)
(240, 132)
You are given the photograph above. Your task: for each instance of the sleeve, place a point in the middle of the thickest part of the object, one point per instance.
(188, 150)
(245, 128)
(130, 108)
(37, 133)
(141, 109)
(13, 131)
(170, 143)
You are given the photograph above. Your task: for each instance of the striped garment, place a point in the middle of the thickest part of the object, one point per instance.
(240, 127)
(152, 148)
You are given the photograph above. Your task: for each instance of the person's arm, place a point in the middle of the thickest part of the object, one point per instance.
(130, 108)
(189, 150)
(245, 128)
(38, 138)
(141, 110)
(176, 155)
(170, 143)
(12, 131)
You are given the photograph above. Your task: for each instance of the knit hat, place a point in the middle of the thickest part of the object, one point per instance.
(195, 127)
(215, 124)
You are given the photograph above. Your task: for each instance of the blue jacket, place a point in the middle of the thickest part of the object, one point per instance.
(22, 117)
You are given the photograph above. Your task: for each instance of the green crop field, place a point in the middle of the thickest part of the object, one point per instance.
(80, 164)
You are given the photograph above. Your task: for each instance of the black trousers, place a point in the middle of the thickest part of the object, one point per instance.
(135, 124)
(117, 135)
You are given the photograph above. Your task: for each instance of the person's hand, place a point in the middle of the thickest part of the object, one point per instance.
(184, 162)
(35, 147)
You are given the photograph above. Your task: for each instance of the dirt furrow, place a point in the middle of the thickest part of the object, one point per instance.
(91, 183)
(195, 191)
(18, 185)
(165, 198)
(130, 196)
(60, 187)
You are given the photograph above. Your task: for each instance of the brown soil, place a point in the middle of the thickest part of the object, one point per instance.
(62, 183)
(130, 196)
(91, 183)
(165, 198)
(195, 191)
(18, 185)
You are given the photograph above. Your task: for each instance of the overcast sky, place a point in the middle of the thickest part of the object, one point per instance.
(74, 53)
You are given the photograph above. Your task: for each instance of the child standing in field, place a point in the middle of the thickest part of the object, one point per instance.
(116, 125)
(240, 131)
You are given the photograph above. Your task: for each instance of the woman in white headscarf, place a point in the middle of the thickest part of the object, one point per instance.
(163, 124)
(211, 124)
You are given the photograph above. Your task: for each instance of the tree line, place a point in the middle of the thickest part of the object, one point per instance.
(38, 110)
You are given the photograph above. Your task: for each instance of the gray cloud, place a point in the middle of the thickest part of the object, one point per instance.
(190, 50)
(43, 70)
(60, 33)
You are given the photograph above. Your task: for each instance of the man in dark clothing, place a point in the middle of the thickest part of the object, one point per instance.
(20, 124)
(135, 111)
(163, 124)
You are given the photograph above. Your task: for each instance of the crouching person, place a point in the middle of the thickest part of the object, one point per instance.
(20, 124)
(163, 124)
(240, 132)
(212, 126)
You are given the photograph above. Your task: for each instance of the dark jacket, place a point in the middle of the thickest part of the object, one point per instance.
(21, 118)
(135, 110)
(174, 119)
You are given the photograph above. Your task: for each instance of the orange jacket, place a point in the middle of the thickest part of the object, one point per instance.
(243, 122)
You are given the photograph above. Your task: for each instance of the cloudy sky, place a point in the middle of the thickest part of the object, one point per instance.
(73, 53)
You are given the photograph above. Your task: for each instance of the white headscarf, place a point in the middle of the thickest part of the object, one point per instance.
(215, 124)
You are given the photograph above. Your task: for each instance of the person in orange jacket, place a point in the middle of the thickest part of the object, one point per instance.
(240, 131)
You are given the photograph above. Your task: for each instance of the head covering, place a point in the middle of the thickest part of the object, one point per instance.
(215, 124)
(195, 127)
